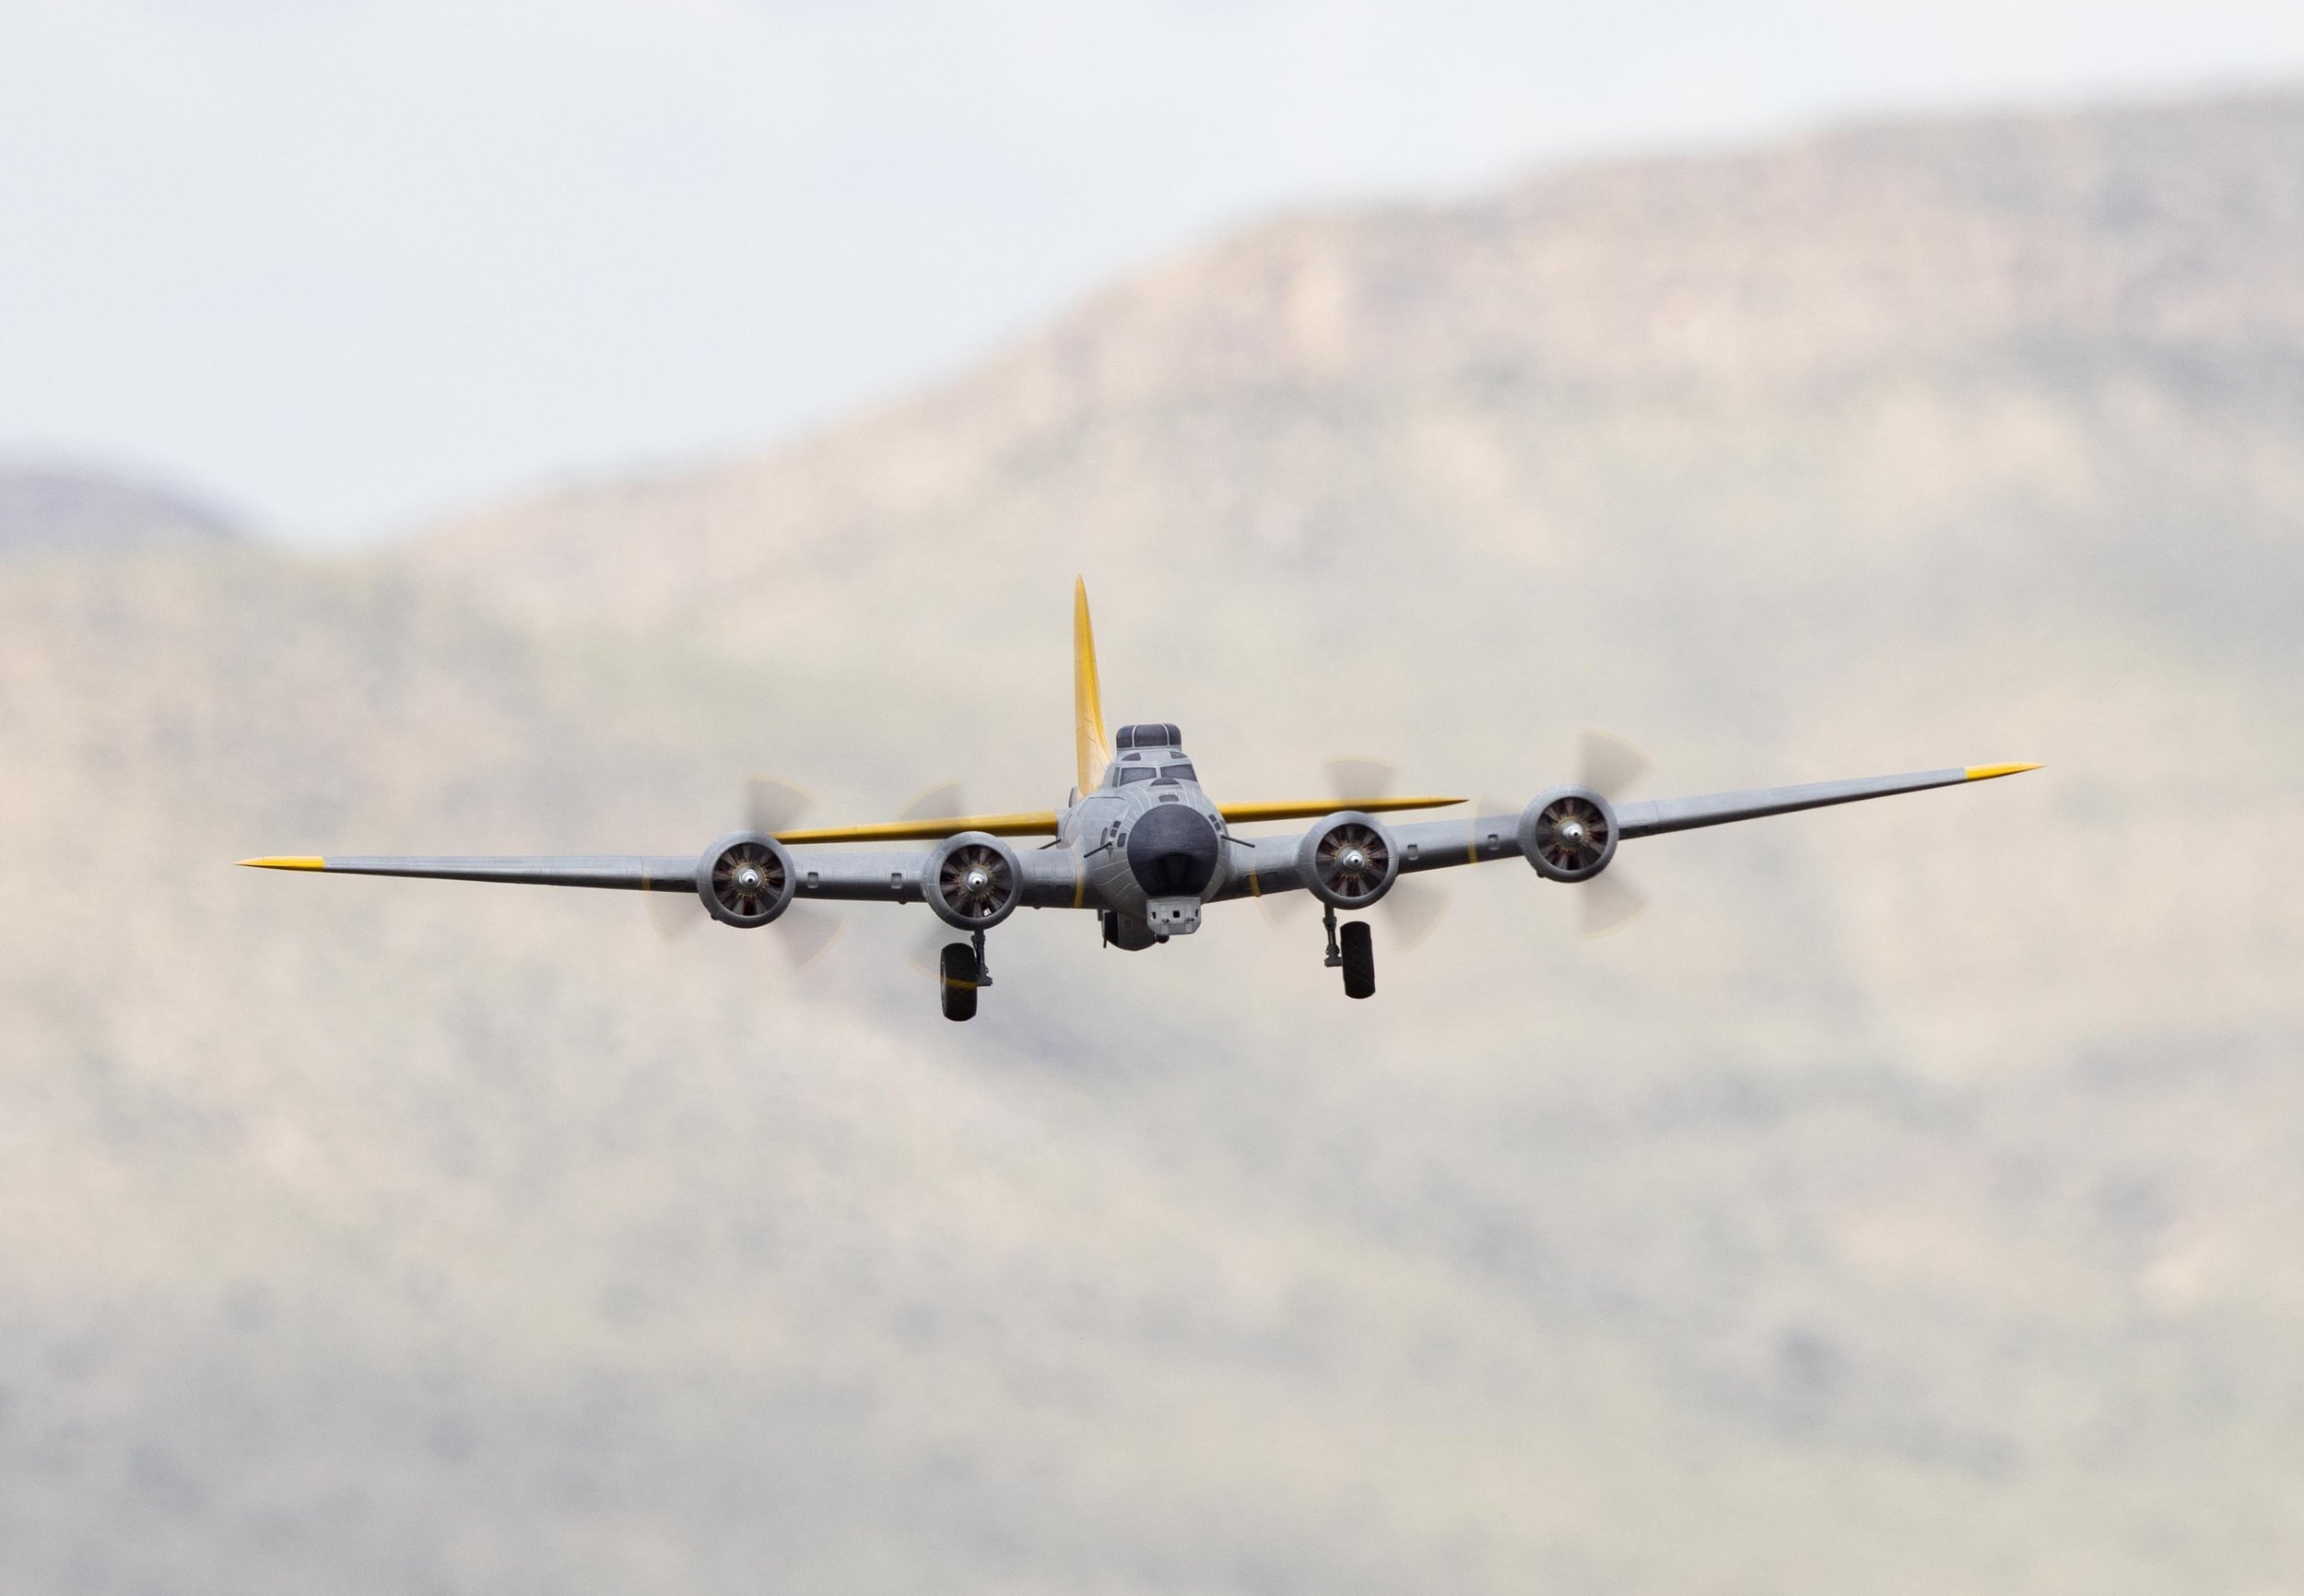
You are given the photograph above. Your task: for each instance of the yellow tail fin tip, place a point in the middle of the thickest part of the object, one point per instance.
(1091, 745)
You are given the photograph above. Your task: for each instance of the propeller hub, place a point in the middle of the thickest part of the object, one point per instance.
(1350, 864)
(972, 882)
(745, 879)
(1568, 833)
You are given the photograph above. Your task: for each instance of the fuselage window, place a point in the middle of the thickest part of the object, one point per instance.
(1140, 773)
(1181, 772)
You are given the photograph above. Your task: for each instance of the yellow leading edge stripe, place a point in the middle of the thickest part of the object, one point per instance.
(1244, 814)
(1986, 772)
(1043, 822)
(1034, 823)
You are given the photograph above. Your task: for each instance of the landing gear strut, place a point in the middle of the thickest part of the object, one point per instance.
(962, 970)
(1351, 950)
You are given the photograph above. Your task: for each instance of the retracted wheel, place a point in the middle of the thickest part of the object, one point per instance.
(957, 980)
(1359, 959)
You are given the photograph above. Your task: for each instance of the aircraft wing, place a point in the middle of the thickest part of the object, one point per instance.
(1653, 817)
(1268, 865)
(632, 872)
(1050, 878)
(1436, 844)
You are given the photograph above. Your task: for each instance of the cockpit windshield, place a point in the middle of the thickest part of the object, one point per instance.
(1178, 773)
(1132, 774)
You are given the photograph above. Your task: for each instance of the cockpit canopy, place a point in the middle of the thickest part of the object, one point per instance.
(1150, 752)
(1153, 734)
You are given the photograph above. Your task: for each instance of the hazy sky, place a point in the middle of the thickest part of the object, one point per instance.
(351, 263)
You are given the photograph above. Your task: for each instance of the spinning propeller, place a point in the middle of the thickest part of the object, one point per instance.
(1574, 835)
(1571, 836)
(1412, 909)
(748, 879)
(976, 881)
(924, 951)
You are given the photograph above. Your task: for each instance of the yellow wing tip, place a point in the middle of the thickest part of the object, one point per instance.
(285, 862)
(1986, 772)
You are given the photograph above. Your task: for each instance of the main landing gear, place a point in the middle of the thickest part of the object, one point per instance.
(1351, 950)
(961, 971)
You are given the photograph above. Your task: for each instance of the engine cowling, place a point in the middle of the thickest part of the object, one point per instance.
(1568, 833)
(745, 879)
(1349, 861)
(973, 880)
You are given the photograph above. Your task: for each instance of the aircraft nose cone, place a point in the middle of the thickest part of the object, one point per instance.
(1172, 851)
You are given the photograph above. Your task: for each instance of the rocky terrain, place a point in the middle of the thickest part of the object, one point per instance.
(1906, 1203)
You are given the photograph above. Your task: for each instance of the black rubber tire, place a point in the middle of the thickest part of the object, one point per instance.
(958, 981)
(1359, 959)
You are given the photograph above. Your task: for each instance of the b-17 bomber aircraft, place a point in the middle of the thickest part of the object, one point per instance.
(1141, 845)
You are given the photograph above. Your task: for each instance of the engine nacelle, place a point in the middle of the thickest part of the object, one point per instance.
(1349, 861)
(1568, 833)
(973, 880)
(745, 879)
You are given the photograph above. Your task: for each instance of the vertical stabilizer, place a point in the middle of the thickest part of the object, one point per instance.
(1094, 749)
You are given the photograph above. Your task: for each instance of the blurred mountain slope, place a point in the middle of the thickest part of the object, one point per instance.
(2047, 362)
(49, 509)
(1906, 1203)
(397, 1239)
